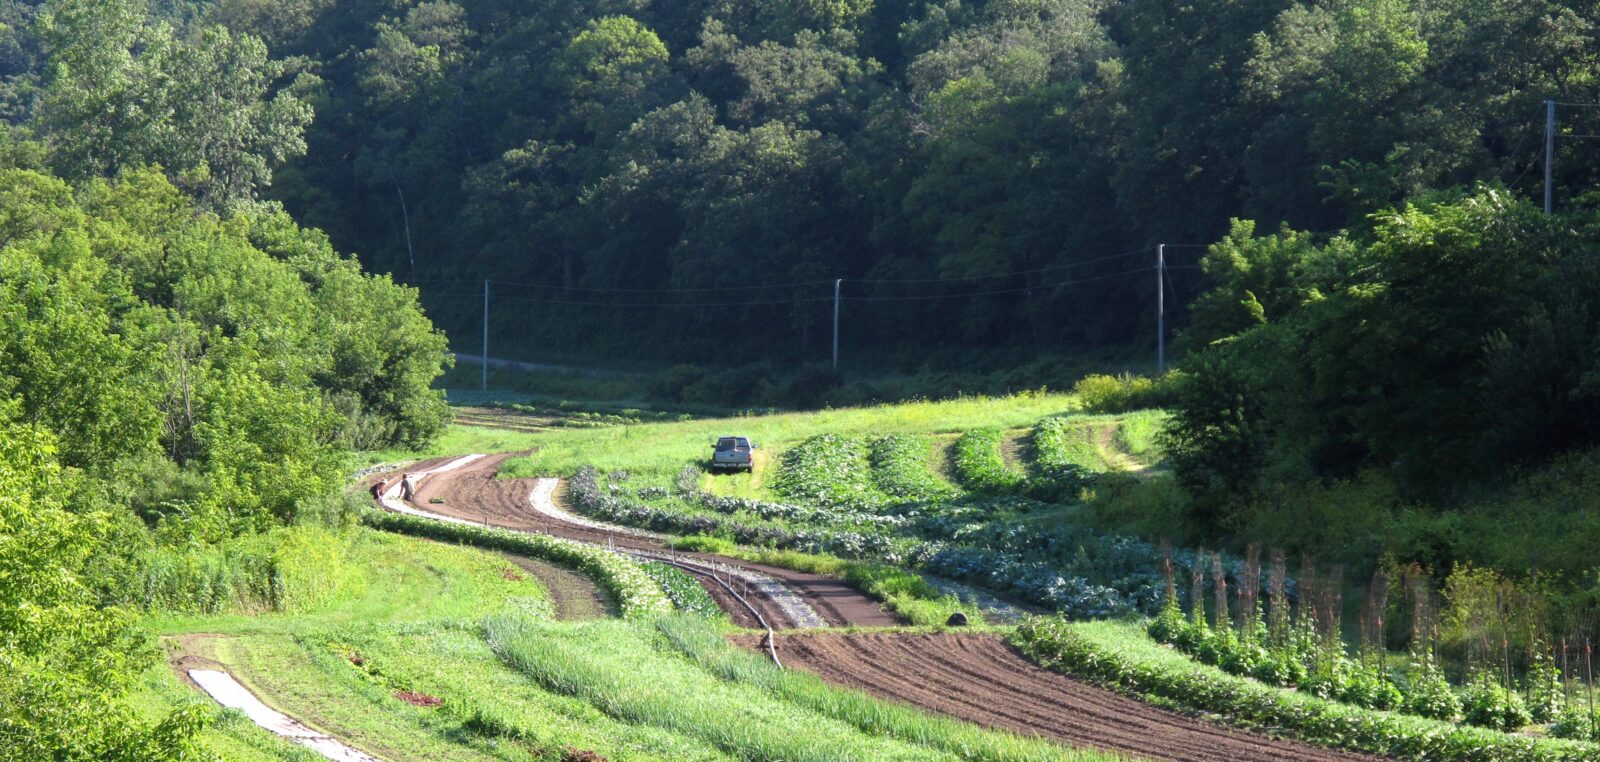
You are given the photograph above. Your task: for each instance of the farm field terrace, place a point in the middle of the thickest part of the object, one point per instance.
(436, 651)
(951, 488)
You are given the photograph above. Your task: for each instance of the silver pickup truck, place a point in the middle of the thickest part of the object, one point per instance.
(733, 454)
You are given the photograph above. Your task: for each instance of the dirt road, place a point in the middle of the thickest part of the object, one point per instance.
(474, 494)
(981, 678)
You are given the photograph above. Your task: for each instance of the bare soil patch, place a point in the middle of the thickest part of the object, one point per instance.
(982, 679)
(418, 699)
(473, 493)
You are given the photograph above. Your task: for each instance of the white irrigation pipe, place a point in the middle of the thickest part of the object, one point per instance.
(229, 693)
(771, 637)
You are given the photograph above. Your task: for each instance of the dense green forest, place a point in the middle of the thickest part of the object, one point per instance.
(183, 367)
(1386, 333)
(604, 160)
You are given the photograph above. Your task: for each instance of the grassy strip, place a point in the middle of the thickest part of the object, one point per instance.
(1139, 433)
(707, 648)
(600, 662)
(904, 592)
(829, 470)
(1062, 445)
(637, 592)
(1119, 654)
(901, 470)
(981, 468)
(487, 706)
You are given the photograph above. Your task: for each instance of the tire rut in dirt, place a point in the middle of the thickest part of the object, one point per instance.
(983, 679)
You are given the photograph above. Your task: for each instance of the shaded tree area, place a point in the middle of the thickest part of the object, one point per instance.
(584, 148)
(184, 369)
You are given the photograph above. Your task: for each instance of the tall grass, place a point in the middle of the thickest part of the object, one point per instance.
(709, 650)
(286, 569)
(602, 662)
(1139, 433)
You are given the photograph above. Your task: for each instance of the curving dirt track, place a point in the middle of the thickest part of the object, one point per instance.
(473, 493)
(982, 679)
(971, 676)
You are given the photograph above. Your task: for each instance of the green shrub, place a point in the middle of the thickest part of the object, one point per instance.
(829, 470)
(1575, 722)
(1486, 703)
(702, 543)
(1119, 394)
(1428, 693)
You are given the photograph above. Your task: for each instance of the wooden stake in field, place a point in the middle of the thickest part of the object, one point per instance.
(1219, 581)
(1278, 618)
(1197, 589)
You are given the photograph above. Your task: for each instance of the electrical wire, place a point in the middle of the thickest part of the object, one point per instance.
(1000, 275)
(995, 292)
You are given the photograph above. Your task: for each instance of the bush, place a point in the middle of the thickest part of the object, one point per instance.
(1119, 394)
(1575, 722)
(1428, 693)
(900, 468)
(831, 471)
(1488, 704)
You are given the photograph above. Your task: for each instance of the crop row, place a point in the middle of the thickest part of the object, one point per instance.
(830, 471)
(981, 468)
(637, 591)
(686, 594)
(900, 468)
(1119, 655)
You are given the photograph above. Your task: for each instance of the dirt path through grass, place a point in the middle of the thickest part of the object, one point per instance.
(472, 493)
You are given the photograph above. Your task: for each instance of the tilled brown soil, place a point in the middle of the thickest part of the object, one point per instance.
(982, 679)
(471, 492)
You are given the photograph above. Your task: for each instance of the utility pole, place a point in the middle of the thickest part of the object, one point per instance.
(1549, 153)
(1161, 308)
(836, 285)
(485, 334)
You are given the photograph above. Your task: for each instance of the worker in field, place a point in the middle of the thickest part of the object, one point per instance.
(379, 487)
(408, 488)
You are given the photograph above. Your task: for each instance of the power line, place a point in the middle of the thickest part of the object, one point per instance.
(999, 292)
(1000, 275)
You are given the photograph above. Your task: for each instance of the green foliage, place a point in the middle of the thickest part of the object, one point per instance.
(201, 106)
(686, 594)
(66, 661)
(979, 465)
(639, 593)
(901, 468)
(1487, 703)
(1428, 693)
(1100, 393)
(830, 470)
(1117, 655)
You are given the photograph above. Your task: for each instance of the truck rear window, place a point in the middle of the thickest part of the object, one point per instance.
(731, 443)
